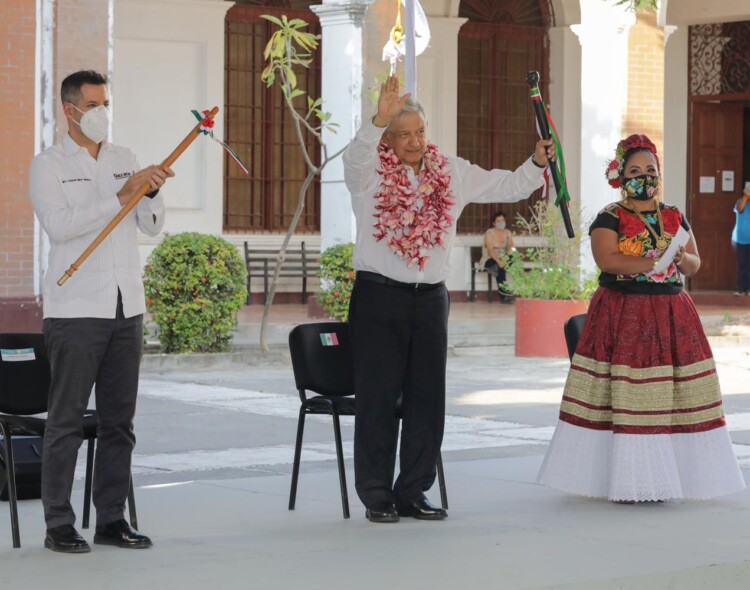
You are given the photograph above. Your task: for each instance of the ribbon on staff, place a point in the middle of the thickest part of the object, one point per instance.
(207, 128)
(547, 130)
(562, 193)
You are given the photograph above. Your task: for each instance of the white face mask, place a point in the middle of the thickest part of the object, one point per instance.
(500, 225)
(94, 123)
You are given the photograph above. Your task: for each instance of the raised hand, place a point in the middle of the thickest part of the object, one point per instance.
(389, 103)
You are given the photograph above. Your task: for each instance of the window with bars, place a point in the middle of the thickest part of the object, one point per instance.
(502, 41)
(260, 129)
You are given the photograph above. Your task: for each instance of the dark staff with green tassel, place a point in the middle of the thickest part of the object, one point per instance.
(557, 171)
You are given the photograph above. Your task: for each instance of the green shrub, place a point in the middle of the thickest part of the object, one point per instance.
(336, 280)
(195, 284)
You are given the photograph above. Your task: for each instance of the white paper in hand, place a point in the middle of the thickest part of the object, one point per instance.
(680, 239)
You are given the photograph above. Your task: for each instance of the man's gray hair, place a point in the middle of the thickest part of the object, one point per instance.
(412, 105)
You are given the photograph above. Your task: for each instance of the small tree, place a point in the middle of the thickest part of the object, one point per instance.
(288, 48)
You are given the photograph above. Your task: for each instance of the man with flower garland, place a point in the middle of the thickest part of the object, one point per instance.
(407, 197)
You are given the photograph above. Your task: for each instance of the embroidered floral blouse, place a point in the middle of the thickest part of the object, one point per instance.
(636, 240)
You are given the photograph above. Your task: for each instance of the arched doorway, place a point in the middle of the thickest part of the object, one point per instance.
(502, 41)
(719, 144)
(259, 127)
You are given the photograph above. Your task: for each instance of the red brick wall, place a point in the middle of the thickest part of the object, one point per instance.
(17, 75)
(644, 112)
(81, 41)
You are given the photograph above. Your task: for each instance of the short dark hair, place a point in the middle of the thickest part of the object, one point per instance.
(495, 215)
(70, 90)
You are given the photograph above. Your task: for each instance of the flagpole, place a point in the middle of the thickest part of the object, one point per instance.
(410, 59)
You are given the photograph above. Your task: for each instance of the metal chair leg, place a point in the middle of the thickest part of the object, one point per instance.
(131, 504)
(87, 484)
(441, 481)
(10, 469)
(340, 460)
(297, 455)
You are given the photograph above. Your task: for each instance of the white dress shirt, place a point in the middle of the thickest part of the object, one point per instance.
(75, 197)
(469, 184)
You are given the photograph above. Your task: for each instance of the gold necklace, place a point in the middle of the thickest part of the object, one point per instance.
(661, 241)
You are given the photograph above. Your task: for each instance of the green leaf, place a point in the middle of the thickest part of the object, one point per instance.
(291, 76)
(271, 18)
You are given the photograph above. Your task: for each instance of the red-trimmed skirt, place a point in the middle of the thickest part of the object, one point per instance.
(641, 416)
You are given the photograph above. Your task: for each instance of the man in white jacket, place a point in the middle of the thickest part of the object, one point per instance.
(93, 324)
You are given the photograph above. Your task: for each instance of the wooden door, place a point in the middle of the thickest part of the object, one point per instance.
(715, 146)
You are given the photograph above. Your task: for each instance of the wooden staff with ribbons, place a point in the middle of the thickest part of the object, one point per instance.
(557, 164)
(145, 188)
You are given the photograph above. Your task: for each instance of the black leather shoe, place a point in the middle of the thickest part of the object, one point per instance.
(121, 534)
(382, 512)
(65, 539)
(423, 510)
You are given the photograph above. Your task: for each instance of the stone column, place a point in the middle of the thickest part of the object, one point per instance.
(604, 93)
(342, 85)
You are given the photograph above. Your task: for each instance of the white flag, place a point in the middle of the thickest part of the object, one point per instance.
(395, 49)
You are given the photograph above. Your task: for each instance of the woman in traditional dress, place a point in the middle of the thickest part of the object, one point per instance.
(641, 417)
(498, 242)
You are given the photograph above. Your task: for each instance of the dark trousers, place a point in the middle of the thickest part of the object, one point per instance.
(400, 342)
(499, 273)
(84, 352)
(743, 266)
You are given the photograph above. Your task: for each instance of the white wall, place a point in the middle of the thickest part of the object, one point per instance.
(675, 160)
(699, 11)
(169, 59)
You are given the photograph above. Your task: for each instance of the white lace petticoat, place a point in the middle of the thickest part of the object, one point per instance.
(641, 467)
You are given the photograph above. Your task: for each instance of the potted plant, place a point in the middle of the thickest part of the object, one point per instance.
(547, 282)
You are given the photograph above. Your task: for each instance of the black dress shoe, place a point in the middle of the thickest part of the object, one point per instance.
(382, 512)
(65, 539)
(423, 510)
(121, 534)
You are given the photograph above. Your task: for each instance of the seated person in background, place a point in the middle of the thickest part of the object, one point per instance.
(498, 241)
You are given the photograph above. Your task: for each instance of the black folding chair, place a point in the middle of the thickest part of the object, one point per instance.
(322, 363)
(24, 389)
(573, 329)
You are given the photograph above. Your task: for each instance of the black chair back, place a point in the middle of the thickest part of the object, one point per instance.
(322, 358)
(573, 329)
(24, 374)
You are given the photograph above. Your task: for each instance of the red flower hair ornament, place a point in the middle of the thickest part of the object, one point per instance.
(615, 168)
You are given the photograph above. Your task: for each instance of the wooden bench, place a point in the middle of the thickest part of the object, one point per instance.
(299, 262)
(521, 243)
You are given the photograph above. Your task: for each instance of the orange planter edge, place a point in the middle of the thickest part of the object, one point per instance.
(539, 325)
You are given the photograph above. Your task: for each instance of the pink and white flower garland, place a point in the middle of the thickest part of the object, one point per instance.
(413, 221)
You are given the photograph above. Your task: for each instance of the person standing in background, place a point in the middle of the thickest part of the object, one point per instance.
(741, 242)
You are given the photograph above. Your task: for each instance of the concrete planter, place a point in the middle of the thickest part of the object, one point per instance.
(539, 325)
